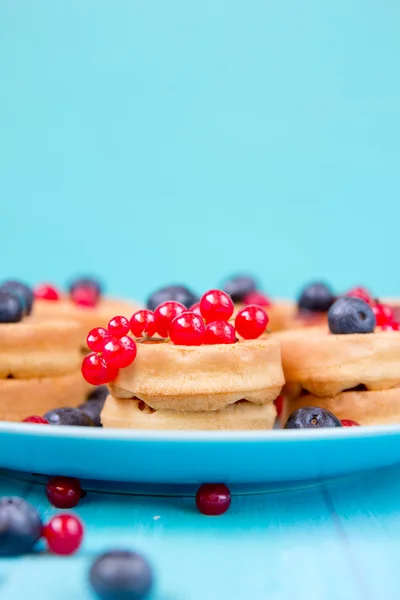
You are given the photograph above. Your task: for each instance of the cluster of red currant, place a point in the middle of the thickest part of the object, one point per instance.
(82, 295)
(207, 322)
(384, 313)
(112, 349)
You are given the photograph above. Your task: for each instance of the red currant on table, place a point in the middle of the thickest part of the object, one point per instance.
(96, 338)
(215, 305)
(187, 329)
(257, 298)
(384, 314)
(349, 423)
(219, 332)
(85, 296)
(164, 314)
(251, 322)
(362, 293)
(63, 534)
(143, 323)
(130, 351)
(96, 371)
(213, 499)
(63, 492)
(118, 327)
(196, 308)
(278, 405)
(394, 326)
(46, 291)
(35, 419)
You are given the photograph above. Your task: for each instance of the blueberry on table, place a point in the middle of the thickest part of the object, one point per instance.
(86, 282)
(68, 416)
(351, 315)
(121, 575)
(11, 308)
(24, 292)
(172, 293)
(20, 526)
(94, 404)
(316, 297)
(312, 417)
(239, 287)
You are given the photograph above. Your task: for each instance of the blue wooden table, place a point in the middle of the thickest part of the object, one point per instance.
(333, 541)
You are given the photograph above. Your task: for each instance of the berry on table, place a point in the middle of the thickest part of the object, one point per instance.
(172, 293)
(384, 314)
(20, 526)
(351, 315)
(85, 296)
(164, 315)
(213, 499)
(21, 290)
(86, 283)
(312, 417)
(35, 419)
(349, 423)
(239, 287)
(94, 404)
(257, 298)
(393, 326)
(130, 351)
(196, 308)
(46, 291)
(251, 322)
(68, 416)
(187, 329)
(362, 293)
(121, 574)
(143, 323)
(278, 405)
(63, 534)
(219, 332)
(216, 305)
(96, 338)
(118, 327)
(96, 371)
(11, 308)
(63, 492)
(316, 297)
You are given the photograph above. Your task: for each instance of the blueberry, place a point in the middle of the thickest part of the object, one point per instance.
(316, 297)
(94, 404)
(68, 416)
(11, 308)
(21, 290)
(86, 282)
(20, 526)
(121, 575)
(239, 287)
(312, 417)
(176, 293)
(351, 315)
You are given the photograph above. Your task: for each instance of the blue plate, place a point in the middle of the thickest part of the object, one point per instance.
(189, 458)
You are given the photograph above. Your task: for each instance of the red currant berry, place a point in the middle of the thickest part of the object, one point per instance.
(187, 329)
(46, 291)
(85, 296)
(63, 534)
(349, 423)
(278, 405)
(96, 371)
(257, 298)
(130, 351)
(362, 293)
(143, 323)
(164, 314)
(394, 326)
(384, 314)
(97, 338)
(251, 322)
(219, 332)
(213, 499)
(118, 327)
(196, 308)
(215, 305)
(63, 492)
(35, 419)
(113, 352)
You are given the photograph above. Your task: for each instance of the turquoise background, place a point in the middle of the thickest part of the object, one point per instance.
(153, 140)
